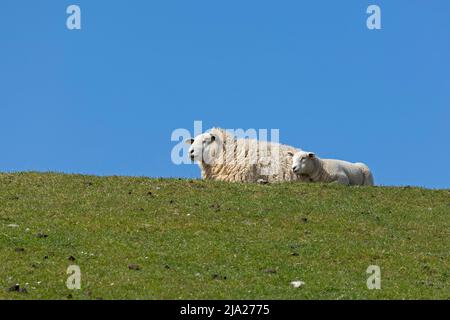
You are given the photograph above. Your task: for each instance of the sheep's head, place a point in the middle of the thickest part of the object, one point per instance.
(302, 162)
(203, 148)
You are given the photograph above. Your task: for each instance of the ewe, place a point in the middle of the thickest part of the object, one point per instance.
(313, 169)
(223, 157)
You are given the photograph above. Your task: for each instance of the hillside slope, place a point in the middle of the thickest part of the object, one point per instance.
(169, 239)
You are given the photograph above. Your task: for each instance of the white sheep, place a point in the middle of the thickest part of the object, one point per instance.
(221, 156)
(312, 168)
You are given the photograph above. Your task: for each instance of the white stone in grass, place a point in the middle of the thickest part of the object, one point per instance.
(297, 283)
(13, 225)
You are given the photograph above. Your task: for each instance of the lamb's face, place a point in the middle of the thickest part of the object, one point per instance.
(302, 162)
(200, 147)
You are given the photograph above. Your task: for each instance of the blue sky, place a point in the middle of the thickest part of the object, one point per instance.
(105, 100)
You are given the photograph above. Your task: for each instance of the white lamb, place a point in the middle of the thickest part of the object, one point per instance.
(312, 168)
(221, 156)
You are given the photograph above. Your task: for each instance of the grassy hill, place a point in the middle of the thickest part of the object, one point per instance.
(171, 239)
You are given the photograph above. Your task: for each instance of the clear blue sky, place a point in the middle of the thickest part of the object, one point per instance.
(105, 100)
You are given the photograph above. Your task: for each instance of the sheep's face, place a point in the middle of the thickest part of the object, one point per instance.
(202, 147)
(302, 162)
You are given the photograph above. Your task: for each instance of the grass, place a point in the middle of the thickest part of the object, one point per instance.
(195, 239)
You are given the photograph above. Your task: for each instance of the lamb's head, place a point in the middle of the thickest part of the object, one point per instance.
(303, 163)
(203, 148)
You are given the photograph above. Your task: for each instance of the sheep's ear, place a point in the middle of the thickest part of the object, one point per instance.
(311, 155)
(189, 141)
(290, 154)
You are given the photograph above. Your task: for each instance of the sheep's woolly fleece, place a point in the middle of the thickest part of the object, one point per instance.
(244, 160)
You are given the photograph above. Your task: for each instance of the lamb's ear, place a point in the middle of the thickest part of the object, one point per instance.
(311, 155)
(290, 154)
(189, 141)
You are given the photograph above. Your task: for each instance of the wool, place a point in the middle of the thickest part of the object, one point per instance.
(221, 156)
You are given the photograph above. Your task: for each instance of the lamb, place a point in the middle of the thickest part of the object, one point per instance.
(221, 156)
(314, 169)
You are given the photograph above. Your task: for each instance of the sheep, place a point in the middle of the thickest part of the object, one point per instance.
(314, 169)
(222, 156)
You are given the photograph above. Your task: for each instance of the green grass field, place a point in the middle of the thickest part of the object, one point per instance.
(192, 239)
